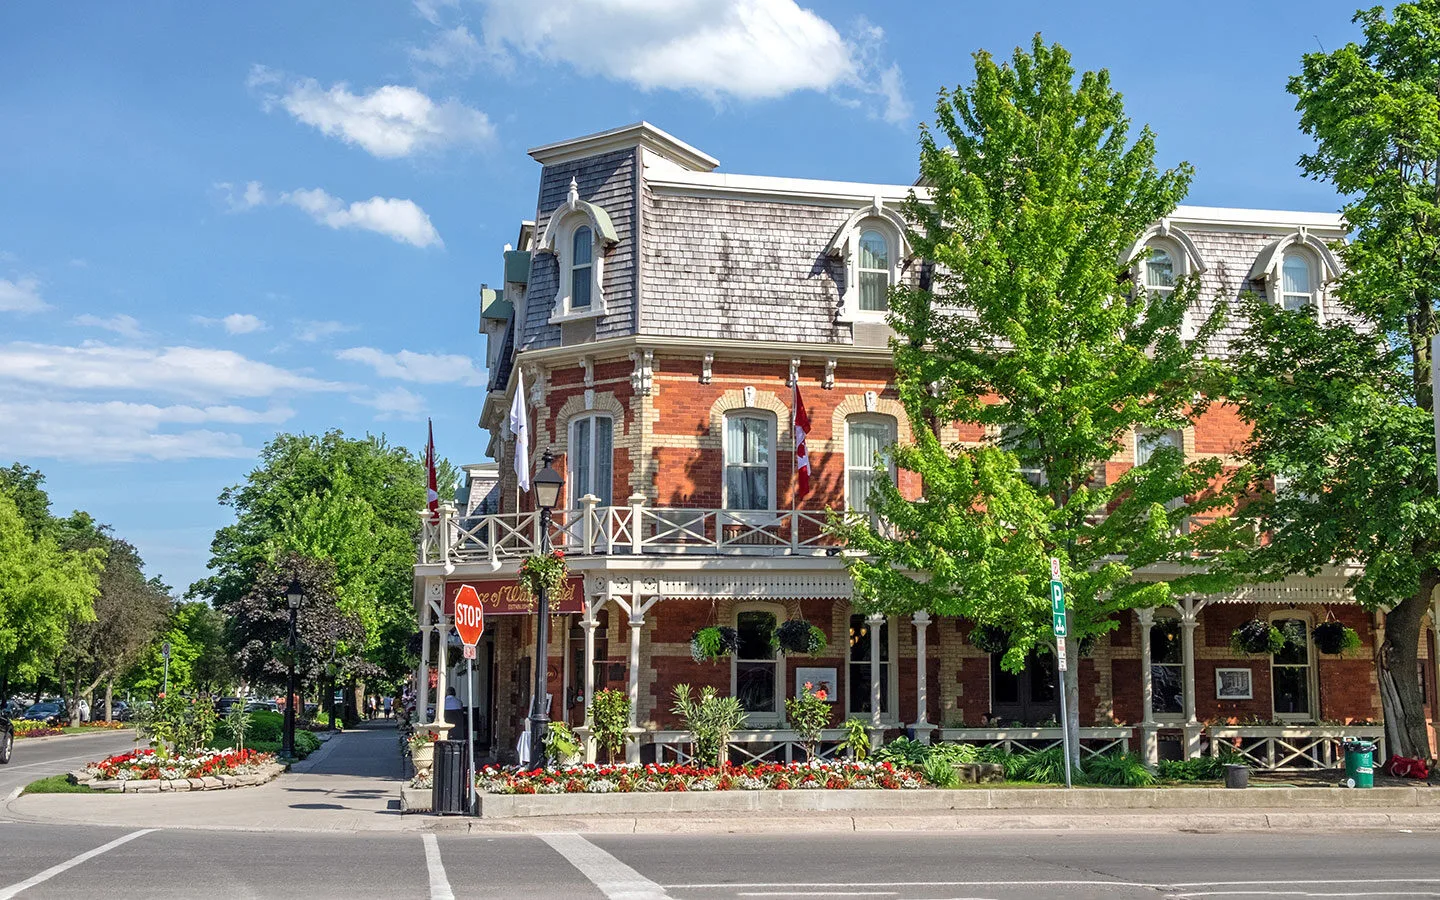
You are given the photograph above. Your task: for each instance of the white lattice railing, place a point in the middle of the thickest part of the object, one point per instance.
(632, 529)
(1293, 747)
(1093, 741)
(749, 746)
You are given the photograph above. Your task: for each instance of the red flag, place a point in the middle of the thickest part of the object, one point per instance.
(432, 493)
(802, 457)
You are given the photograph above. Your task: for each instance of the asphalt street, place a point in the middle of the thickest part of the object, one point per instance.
(43, 861)
(38, 757)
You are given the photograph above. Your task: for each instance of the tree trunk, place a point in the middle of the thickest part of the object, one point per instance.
(353, 699)
(110, 699)
(1397, 659)
(1072, 702)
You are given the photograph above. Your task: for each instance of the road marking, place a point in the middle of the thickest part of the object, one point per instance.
(1272, 893)
(904, 884)
(51, 872)
(615, 880)
(439, 884)
(1297, 882)
(816, 893)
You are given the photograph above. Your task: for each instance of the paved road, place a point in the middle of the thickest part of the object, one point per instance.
(39, 861)
(37, 757)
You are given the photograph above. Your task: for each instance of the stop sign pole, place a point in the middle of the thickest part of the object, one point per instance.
(470, 623)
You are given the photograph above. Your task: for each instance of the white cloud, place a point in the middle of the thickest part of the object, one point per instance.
(401, 220)
(235, 323)
(310, 331)
(430, 10)
(121, 324)
(389, 122)
(454, 48)
(396, 403)
(21, 295)
(121, 432)
(425, 368)
(195, 373)
(747, 49)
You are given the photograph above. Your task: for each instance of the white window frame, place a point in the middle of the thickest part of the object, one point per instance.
(752, 516)
(845, 248)
(1311, 669)
(1170, 615)
(572, 461)
(850, 464)
(565, 255)
(1179, 263)
(1312, 266)
(891, 715)
(762, 719)
(891, 271)
(1036, 476)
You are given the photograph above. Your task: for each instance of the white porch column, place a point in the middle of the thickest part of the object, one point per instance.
(422, 673)
(442, 630)
(589, 623)
(922, 726)
(637, 624)
(1189, 613)
(1149, 745)
(877, 731)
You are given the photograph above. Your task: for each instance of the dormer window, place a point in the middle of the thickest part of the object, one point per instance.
(874, 267)
(1160, 270)
(578, 235)
(1297, 281)
(1159, 259)
(581, 255)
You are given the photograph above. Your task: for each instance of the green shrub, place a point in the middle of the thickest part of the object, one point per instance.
(1119, 769)
(710, 719)
(940, 772)
(609, 717)
(857, 738)
(1044, 767)
(904, 752)
(955, 753)
(1201, 768)
(1014, 763)
(265, 726)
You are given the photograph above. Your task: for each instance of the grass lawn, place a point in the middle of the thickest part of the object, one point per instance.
(56, 784)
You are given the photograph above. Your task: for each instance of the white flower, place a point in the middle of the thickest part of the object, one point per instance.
(600, 786)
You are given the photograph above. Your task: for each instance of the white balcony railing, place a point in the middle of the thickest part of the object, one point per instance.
(760, 745)
(632, 529)
(1023, 739)
(1293, 747)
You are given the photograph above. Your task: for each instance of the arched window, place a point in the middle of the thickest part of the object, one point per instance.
(591, 453)
(1160, 269)
(749, 461)
(868, 439)
(1017, 441)
(581, 257)
(1297, 281)
(875, 271)
(755, 667)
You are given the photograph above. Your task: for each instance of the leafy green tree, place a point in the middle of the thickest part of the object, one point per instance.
(200, 661)
(43, 589)
(1032, 332)
(25, 486)
(353, 503)
(1344, 411)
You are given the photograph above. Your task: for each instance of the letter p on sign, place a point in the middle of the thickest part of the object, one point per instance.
(469, 615)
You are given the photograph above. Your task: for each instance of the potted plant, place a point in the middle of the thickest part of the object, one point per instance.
(561, 744)
(1257, 636)
(1335, 638)
(799, 636)
(809, 713)
(710, 719)
(713, 642)
(544, 570)
(422, 750)
(990, 638)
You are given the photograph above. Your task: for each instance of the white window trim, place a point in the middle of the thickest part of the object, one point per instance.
(881, 418)
(1183, 253)
(1175, 717)
(1314, 294)
(1311, 674)
(571, 461)
(1324, 268)
(845, 246)
(558, 240)
(750, 516)
(762, 719)
(891, 716)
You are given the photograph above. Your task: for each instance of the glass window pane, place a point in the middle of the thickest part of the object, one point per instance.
(758, 488)
(1165, 643)
(1159, 270)
(1042, 677)
(1292, 689)
(604, 453)
(874, 252)
(874, 291)
(581, 246)
(1005, 685)
(858, 487)
(1296, 651)
(1147, 442)
(753, 630)
(1295, 274)
(755, 686)
(1167, 689)
(580, 288)
(580, 465)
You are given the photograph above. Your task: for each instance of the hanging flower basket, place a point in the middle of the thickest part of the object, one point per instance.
(990, 638)
(1335, 638)
(1257, 636)
(799, 636)
(713, 642)
(548, 572)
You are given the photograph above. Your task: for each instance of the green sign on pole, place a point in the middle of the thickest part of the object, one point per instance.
(1057, 608)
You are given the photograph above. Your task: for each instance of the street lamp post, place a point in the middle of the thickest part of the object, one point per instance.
(293, 595)
(548, 483)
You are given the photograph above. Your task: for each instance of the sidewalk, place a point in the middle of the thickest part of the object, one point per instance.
(352, 783)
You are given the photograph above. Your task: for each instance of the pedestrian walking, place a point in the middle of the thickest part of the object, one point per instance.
(389, 701)
(84, 710)
(373, 703)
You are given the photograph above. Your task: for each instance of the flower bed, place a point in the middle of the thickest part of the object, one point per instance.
(149, 764)
(104, 724)
(596, 779)
(32, 728)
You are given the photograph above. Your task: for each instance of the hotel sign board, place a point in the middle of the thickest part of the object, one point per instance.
(505, 597)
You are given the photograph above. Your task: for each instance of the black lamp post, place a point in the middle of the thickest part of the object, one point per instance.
(547, 485)
(293, 595)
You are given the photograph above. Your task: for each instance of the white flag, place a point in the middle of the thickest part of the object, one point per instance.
(521, 429)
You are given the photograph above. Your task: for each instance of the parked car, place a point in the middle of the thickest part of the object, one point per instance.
(223, 704)
(120, 711)
(52, 713)
(13, 709)
(7, 739)
(258, 705)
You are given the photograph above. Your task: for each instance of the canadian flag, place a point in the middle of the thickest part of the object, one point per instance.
(432, 492)
(802, 456)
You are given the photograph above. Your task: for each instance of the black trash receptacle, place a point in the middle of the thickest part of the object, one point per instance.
(448, 794)
(1237, 776)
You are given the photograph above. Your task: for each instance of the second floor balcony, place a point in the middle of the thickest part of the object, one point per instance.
(632, 529)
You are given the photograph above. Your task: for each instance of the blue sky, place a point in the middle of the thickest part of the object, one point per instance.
(222, 220)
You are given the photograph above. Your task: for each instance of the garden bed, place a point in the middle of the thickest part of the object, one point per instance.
(145, 771)
(655, 778)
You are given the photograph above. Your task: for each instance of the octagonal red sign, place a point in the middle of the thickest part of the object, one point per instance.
(469, 614)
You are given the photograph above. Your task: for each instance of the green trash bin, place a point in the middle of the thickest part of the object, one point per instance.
(1359, 763)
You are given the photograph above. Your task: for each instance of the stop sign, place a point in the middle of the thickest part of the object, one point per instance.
(469, 615)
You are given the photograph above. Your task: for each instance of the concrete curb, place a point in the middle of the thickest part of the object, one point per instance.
(268, 772)
(1040, 800)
